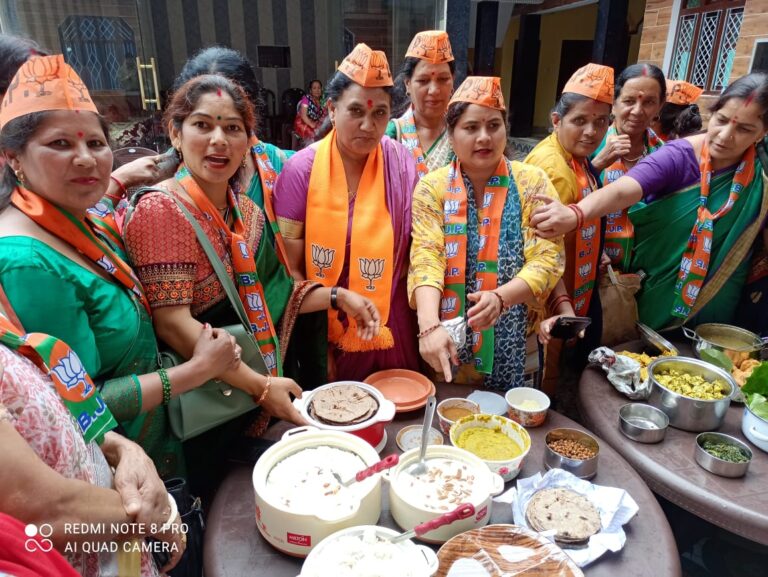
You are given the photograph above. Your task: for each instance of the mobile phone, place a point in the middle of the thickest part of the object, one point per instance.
(569, 327)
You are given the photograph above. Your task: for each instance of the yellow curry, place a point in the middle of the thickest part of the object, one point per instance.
(488, 444)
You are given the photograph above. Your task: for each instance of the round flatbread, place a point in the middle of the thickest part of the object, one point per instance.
(574, 518)
(343, 405)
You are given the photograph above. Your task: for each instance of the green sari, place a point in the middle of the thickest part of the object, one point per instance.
(662, 229)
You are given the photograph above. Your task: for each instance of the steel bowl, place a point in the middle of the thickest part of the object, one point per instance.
(720, 466)
(582, 468)
(734, 342)
(687, 413)
(643, 423)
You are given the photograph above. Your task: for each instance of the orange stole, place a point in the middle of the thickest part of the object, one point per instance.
(587, 246)
(372, 246)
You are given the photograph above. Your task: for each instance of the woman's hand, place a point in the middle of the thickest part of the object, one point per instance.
(486, 311)
(142, 171)
(545, 328)
(616, 146)
(176, 538)
(217, 352)
(552, 218)
(278, 402)
(361, 309)
(439, 351)
(144, 496)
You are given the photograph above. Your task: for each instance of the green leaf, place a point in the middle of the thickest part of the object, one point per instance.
(758, 404)
(717, 358)
(757, 382)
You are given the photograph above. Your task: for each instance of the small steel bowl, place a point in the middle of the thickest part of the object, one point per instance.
(720, 466)
(582, 468)
(643, 423)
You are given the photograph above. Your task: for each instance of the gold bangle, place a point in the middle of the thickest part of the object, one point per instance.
(266, 390)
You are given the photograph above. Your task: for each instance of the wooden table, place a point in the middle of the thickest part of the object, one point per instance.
(234, 547)
(737, 505)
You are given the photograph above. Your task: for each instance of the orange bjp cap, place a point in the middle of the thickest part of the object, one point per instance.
(431, 46)
(369, 68)
(594, 81)
(45, 83)
(482, 90)
(682, 92)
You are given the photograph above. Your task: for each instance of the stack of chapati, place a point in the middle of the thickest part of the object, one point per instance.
(343, 405)
(574, 518)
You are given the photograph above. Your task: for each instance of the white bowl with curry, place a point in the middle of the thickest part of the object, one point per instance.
(500, 442)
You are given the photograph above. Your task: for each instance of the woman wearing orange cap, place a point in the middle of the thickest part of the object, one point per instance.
(679, 117)
(638, 97)
(64, 266)
(344, 208)
(580, 118)
(474, 255)
(427, 79)
(703, 207)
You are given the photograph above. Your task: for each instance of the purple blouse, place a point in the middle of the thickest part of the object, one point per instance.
(671, 168)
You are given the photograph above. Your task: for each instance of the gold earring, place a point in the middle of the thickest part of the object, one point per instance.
(19, 176)
(244, 162)
(181, 156)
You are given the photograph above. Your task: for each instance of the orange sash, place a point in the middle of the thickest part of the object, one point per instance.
(249, 286)
(372, 246)
(587, 246)
(83, 234)
(410, 138)
(268, 176)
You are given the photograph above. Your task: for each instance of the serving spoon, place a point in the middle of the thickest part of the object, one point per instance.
(420, 467)
(385, 463)
(461, 512)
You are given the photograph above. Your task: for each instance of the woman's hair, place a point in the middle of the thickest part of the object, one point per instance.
(639, 71)
(680, 120)
(311, 83)
(400, 98)
(15, 51)
(224, 62)
(455, 112)
(15, 136)
(185, 99)
(750, 87)
(567, 101)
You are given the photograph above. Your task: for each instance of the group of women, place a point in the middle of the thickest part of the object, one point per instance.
(428, 246)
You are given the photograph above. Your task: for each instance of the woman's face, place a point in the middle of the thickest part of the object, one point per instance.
(67, 160)
(479, 138)
(638, 103)
(581, 131)
(316, 90)
(213, 139)
(733, 129)
(360, 115)
(430, 88)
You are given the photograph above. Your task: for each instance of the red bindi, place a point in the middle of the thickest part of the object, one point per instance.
(370, 103)
(218, 92)
(80, 134)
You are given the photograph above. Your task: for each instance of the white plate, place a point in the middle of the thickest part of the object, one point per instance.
(490, 403)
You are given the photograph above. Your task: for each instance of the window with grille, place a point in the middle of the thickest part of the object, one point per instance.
(705, 44)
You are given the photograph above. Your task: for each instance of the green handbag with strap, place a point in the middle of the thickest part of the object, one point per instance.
(214, 402)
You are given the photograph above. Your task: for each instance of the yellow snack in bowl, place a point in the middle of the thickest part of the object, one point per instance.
(488, 444)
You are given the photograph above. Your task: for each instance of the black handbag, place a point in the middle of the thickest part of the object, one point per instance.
(191, 512)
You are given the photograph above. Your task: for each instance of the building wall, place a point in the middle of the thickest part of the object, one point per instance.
(656, 49)
(569, 24)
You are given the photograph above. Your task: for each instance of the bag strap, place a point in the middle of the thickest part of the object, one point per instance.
(210, 252)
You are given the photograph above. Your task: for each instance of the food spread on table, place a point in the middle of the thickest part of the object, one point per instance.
(343, 405)
(489, 444)
(571, 515)
(363, 554)
(693, 386)
(755, 390)
(305, 481)
(644, 360)
(447, 484)
(455, 413)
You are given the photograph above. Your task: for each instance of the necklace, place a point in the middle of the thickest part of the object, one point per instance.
(641, 155)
